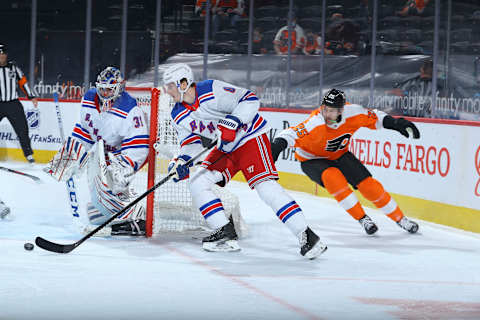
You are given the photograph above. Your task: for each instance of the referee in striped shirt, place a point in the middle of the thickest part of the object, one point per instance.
(10, 106)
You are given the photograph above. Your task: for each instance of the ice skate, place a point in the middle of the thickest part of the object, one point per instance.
(223, 239)
(129, 228)
(369, 226)
(310, 244)
(408, 225)
(4, 211)
(135, 228)
(30, 159)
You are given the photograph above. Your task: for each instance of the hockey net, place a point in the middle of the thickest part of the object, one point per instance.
(170, 207)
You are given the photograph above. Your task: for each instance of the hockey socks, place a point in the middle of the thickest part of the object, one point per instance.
(286, 209)
(336, 184)
(373, 190)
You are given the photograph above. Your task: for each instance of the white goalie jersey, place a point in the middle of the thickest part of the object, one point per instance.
(122, 127)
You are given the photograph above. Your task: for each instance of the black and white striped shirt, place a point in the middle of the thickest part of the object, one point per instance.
(10, 76)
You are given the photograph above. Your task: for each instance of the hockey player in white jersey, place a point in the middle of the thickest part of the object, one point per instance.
(217, 110)
(111, 120)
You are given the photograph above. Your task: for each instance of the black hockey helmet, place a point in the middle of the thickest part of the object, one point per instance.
(334, 98)
(3, 48)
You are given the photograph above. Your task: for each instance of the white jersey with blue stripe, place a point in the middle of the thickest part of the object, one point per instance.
(122, 127)
(215, 100)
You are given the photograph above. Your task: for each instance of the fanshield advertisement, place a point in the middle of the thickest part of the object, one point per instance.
(43, 125)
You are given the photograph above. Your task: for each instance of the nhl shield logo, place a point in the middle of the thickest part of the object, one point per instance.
(33, 118)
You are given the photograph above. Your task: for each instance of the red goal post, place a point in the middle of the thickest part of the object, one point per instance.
(170, 207)
(147, 100)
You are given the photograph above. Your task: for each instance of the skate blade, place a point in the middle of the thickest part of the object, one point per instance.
(227, 246)
(317, 250)
(7, 216)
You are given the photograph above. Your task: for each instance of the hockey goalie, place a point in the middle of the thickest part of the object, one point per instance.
(110, 141)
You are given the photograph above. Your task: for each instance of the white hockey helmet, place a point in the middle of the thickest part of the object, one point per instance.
(175, 74)
(110, 84)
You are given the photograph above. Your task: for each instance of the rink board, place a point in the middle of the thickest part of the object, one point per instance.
(435, 178)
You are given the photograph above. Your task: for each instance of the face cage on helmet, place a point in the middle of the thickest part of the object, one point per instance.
(116, 87)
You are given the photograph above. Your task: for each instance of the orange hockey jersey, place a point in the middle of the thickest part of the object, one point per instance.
(313, 139)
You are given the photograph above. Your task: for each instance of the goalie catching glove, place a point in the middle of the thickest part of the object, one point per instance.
(180, 168)
(401, 125)
(69, 160)
(228, 128)
(119, 174)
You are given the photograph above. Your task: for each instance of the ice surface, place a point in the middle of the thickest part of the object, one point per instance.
(393, 275)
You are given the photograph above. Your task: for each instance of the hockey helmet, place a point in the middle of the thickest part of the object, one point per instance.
(110, 84)
(334, 99)
(3, 48)
(175, 74)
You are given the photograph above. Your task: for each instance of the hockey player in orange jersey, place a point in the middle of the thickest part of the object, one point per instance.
(321, 144)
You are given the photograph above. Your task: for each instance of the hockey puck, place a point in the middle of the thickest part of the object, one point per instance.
(28, 246)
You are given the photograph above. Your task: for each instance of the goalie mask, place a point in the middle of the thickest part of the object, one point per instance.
(333, 103)
(175, 74)
(110, 85)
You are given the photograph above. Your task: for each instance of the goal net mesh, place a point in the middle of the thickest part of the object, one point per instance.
(170, 207)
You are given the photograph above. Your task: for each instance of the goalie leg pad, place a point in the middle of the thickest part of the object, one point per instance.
(70, 159)
(134, 225)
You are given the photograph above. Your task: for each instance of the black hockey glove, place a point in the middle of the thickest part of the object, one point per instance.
(278, 145)
(401, 125)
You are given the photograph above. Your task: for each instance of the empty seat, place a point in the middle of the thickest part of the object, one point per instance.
(413, 35)
(267, 23)
(314, 24)
(311, 11)
(461, 35)
(390, 22)
(266, 11)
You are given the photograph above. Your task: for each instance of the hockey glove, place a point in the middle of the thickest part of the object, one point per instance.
(401, 125)
(278, 145)
(119, 174)
(228, 128)
(179, 167)
(70, 159)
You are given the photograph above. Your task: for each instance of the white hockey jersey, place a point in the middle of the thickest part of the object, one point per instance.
(123, 127)
(215, 100)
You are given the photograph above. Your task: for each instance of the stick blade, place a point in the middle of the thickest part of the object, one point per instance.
(37, 179)
(54, 247)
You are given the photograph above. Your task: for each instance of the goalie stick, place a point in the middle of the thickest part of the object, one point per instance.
(70, 184)
(66, 248)
(36, 179)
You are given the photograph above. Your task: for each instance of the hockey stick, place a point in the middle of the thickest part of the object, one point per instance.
(66, 248)
(70, 183)
(36, 179)
(59, 116)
